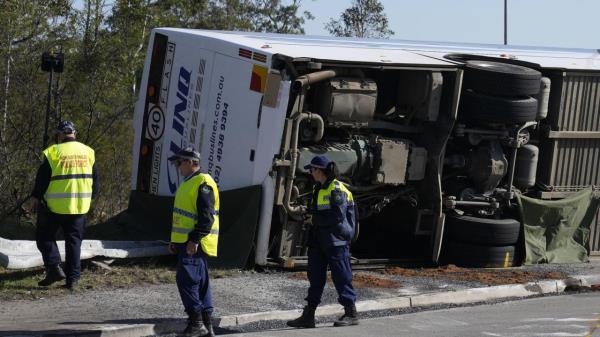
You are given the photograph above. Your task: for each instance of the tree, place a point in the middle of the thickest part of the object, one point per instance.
(241, 15)
(364, 19)
(104, 44)
(29, 28)
(273, 16)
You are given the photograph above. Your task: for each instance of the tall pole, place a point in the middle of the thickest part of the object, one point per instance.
(51, 63)
(505, 22)
(45, 143)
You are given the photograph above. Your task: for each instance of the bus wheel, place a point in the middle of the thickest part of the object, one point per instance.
(474, 256)
(494, 78)
(495, 109)
(482, 231)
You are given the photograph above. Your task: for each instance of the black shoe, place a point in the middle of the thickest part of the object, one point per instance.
(72, 286)
(350, 317)
(306, 320)
(195, 327)
(207, 320)
(53, 274)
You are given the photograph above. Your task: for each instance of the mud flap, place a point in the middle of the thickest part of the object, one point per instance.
(438, 238)
(239, 214)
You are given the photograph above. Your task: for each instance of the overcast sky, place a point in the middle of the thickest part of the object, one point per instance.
(555, 23)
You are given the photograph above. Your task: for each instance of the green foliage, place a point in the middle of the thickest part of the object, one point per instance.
(29, 28)
(104, 43)
(364, 19)
(273, 16)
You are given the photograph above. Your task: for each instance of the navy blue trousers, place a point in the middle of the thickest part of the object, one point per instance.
(72, 226)
(192, 281)
(338, 260)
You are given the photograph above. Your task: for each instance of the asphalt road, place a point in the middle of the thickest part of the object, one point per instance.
(566, 315)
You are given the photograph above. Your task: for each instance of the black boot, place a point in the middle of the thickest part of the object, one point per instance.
(350, 317)
(307, 320)
(207, 320)
(72, 285)
(195, 327)
(53, 274)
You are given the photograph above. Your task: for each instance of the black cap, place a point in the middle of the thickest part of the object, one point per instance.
(66, 128)
(187, 153)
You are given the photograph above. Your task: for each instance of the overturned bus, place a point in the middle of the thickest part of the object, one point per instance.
(435, 141)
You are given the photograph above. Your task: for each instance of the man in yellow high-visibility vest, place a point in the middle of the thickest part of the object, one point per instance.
(65, 185)
(194, 236)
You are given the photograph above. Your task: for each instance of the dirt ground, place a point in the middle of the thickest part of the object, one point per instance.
(359, 280)
(488, 277)
(485, 276)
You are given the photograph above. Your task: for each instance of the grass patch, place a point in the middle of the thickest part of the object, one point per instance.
(22, 284)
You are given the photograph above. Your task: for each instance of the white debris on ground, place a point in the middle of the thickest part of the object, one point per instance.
(22, 254)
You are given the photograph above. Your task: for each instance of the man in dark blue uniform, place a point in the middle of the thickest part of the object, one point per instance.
(194, 237)
(333, 226)
(65, 185)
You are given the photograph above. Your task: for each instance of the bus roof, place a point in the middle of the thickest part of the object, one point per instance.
(397, 51)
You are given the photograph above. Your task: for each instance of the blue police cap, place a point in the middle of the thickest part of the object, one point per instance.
(187, 153)
(318, 162)
(65, 127)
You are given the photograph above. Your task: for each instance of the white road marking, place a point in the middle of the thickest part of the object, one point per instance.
(558, 320)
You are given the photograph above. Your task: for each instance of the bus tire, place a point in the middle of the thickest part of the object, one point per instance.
(493, 109)
(482, 231)
(475, 256)
(494, 78)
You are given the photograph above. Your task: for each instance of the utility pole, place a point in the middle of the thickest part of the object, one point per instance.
(51, 62)
(505, 22)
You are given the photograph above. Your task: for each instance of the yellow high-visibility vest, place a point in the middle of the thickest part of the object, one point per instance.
(185, 213)
(70, 188)
(323, 198)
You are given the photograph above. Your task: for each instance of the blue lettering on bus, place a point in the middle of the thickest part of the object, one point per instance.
(183, 86)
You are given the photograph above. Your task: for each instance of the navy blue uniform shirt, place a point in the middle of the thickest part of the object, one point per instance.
(335, 225)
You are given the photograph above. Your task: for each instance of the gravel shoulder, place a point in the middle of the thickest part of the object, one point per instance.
(239, 293)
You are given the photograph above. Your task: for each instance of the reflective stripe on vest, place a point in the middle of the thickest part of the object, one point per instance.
(72, 176)
(189, 230)
(71, 179)
(185, 213)
(323, 198)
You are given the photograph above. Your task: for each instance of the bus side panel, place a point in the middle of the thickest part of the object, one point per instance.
(182, 102)
(230, 132)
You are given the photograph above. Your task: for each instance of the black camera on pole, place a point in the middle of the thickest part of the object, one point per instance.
(53, 62)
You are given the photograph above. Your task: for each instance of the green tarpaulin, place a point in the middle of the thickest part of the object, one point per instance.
(558, 231)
